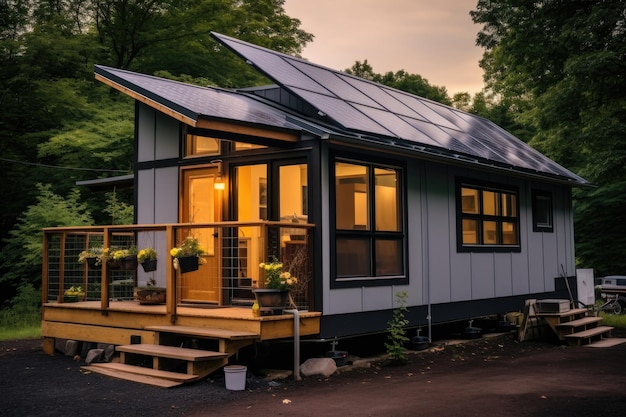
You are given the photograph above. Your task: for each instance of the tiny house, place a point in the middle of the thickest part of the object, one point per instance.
(365, 190)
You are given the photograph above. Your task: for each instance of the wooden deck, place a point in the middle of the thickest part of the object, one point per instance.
(128, 322)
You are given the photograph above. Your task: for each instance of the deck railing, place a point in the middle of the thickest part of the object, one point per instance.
(234, 251)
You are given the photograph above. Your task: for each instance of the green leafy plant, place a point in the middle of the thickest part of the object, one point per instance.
(146, 254)
(74, 291)
(190, 247)
(397, 333)
(94, 252)
(275, 277)
(120, 254)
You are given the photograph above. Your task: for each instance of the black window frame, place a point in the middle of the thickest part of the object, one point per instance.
(372, 235)
(542, 227)
(481, 217)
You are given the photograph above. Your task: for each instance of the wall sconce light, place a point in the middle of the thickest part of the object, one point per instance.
(218, 184)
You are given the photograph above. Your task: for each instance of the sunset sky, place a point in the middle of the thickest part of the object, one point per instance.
(435, 39)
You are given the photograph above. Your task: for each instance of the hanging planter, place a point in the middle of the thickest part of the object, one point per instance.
(128, 263)
(149, 266)
(93, 262)
(187, 263)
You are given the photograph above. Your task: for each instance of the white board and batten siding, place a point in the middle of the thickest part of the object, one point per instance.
(439, 274)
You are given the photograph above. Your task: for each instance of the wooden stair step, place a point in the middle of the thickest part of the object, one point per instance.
(572, 312)
(128, 376)
(580, 322)
(210, 333)
(590, 332)
(140, 370)
(172, 352)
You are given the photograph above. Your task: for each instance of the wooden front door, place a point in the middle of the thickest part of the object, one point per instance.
(202, 204)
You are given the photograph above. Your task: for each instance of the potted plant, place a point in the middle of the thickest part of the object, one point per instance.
(147, 258)
(150, 294)
(125, 259)
(73, 294)
(274, 296)
(92, 257)
(188, 256)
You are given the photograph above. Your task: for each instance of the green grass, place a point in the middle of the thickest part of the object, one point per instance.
(619, 321)
(20, 324)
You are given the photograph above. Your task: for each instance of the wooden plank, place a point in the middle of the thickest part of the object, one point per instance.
(210, 333)
(131, 369)
(172, 352)
(89, 333)
(604, 343)
(569, 313)
(590, 332)
(142, 379)
(580, 322)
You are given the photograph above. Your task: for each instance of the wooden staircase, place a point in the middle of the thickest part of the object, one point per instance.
(576, 326)
(167, 365)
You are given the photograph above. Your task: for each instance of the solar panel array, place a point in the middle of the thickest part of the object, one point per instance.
(365, 107)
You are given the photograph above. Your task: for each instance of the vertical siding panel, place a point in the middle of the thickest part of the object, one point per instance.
(483, 271)
(503, 275)
(438, 234)
(145, 133)
(167, 137)
(416, 217)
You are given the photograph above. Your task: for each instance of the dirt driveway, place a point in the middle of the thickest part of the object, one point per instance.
(486, 377)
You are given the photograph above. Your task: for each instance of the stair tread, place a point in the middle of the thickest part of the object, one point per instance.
(590, 332)
(173, 352)
(205, 332)
(139, 370)
(128, 376)
(580, 322)
(571, 312)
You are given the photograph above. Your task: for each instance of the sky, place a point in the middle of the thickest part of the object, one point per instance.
(433, 38)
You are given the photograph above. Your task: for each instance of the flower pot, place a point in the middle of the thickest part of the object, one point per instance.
(73, 298)
(187, 263)
(128, 263)
(149, 266)
(113, 265)
(270, 300)
(149, 295)
(92, 262)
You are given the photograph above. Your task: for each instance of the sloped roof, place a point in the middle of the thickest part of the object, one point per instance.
(345, 108)
(367, 108)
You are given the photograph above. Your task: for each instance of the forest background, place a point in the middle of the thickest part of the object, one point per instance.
(553, 69)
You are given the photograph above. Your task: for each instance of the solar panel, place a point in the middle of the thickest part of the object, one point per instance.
(364, 107)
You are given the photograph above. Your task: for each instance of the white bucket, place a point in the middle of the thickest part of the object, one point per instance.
(235, 376)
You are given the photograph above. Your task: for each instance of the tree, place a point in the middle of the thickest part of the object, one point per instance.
(21, 258)
(401, 80)
(561, 64)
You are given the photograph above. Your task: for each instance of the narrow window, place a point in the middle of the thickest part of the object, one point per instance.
(542, 211)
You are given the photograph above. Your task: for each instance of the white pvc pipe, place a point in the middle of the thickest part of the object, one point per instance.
(296, 343)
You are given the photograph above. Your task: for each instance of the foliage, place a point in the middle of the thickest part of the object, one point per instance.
(396, 328)
(146, 254)
(119, 254)
(93, 252)
(560, 66)
(189, 247)
(22, 317)
(21, 257)
(75, 291)
(275, 277)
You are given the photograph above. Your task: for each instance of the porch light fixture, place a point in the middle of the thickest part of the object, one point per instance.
(218, 184)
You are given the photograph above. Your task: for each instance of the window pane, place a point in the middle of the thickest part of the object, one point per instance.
(352, 196)
(353, 257)
(293, 193)
(509, 233)
(543, 211)
(509, 205)
(490, 233)
(387, 200)
(242, 146)
(389, 257)
(202, 145)
(252, 198)
(470, 232)
(469, 200)
(490, 203)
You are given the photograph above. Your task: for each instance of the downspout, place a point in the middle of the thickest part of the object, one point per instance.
(296, 343)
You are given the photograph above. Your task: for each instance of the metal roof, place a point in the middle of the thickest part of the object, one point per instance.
(363, 107)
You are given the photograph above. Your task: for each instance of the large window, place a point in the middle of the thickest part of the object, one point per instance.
(369, 243)
(487, 217)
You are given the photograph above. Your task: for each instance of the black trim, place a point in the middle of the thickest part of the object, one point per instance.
(535, 195)
(484, 185)
(368, 281)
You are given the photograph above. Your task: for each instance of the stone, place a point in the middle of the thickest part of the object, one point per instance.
(71, 348)
(94, 355)
(318, 366)
(109, 353)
